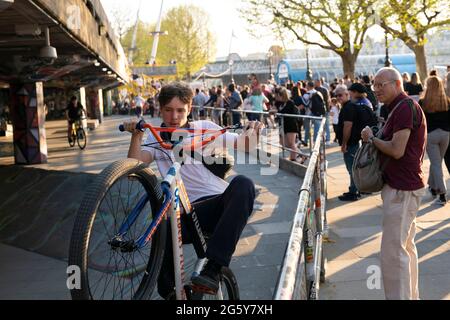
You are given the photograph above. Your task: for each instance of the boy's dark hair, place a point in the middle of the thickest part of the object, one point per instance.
(175, 90)
(73, 98)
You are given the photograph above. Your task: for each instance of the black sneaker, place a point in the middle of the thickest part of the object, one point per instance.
(208, 280)
(349, 197)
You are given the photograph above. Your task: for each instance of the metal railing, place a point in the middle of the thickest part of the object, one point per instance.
(303, 266)
(281, 116)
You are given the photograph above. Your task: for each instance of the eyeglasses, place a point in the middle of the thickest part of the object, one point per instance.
(340, 95)
(378, 86)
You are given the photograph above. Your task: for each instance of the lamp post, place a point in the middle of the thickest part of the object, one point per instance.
(387, 61)
(230, 63)
(308, 69)
(269, 57)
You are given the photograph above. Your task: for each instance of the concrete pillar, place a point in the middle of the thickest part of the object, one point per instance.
(100, 106)
(95, 104)
(28, 116)
(109, 102)
(83, 103)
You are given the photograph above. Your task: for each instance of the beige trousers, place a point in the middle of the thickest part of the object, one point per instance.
(399, 260)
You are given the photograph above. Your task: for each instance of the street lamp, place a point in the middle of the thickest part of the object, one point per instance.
(308, 69)
(269, 57)
(387, 61)
(230, 63)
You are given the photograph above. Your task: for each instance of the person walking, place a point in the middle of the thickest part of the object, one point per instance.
(235, 102)
(348, 138)
(334, 113)
(290, 124)
(326, 99)
(402, 150)
(414, 88)
(435, 104)
(257, 101)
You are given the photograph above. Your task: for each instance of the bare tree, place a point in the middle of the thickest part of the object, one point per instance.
(411, 20)
(339, 26)
(122, 20)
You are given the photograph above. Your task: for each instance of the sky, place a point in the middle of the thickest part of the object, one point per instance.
(224, 20)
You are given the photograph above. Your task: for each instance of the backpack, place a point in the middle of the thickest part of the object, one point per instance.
(219, 165)
(238, 99)
(367, 171)
(317, 105)
(364, 117)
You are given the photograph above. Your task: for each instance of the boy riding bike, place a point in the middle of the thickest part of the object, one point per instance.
(222, 209)
(74, 113)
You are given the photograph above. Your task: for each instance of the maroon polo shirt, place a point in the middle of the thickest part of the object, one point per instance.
(406, 173)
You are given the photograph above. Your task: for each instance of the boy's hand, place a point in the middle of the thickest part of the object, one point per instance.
(130, 126)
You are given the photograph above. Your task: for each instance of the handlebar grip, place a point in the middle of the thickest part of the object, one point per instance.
(139, 126)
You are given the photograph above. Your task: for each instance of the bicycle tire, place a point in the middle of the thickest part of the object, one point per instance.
(228, 285)
(73, 141)
(83, 233)
(81, 138)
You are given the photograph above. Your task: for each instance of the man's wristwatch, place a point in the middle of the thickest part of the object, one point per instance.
(371, 139)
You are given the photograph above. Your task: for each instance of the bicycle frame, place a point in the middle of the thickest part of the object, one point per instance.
(175, 197)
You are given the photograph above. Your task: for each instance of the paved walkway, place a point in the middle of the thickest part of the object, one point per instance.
(32, 272)
(355, 229)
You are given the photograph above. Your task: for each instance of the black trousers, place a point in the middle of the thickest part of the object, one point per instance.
(223, 217)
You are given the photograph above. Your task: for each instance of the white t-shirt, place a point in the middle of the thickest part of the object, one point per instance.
(198, 180)
(139, 101)
(335, 111)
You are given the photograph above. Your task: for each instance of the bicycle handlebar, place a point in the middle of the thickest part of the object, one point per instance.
(142, 125)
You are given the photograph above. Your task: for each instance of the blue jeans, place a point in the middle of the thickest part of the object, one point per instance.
(307, 126)
(237, 117)
(349, 157)
(316, 128)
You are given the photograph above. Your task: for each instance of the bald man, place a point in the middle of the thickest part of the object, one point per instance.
(402, 145)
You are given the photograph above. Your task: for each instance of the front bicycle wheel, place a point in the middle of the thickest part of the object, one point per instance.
(108, 271)
(228, 289)
(81, 138)
(72, 139)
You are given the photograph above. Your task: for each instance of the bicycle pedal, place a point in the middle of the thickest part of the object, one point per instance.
(202, 289)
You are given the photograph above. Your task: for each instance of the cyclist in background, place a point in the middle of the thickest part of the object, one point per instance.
(222, 208)
(74, 112)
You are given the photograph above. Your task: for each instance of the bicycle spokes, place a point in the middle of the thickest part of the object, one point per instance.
(116, 264)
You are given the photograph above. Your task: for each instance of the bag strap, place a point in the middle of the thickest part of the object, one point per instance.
(415, 124)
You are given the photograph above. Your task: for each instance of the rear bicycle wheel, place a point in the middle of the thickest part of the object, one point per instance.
(81, 138)
(228, 289)
(108, 271)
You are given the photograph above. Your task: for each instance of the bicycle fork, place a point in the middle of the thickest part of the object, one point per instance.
(175, 225)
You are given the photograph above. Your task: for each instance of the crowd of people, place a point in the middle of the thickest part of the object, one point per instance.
(348, 105)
